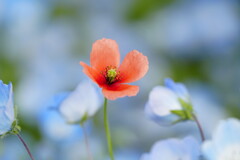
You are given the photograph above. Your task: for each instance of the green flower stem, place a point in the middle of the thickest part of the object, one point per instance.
(199, 126)
(86, 143)
(25, 145)
(107, 130)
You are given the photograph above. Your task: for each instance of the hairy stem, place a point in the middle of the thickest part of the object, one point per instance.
(107, 130)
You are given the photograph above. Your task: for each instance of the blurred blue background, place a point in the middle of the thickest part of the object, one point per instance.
(196, 42)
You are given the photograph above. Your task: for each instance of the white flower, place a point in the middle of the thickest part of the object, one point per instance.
(174, 149)
(225, 144)
(83, 102)
(165, 99)
(6, 107)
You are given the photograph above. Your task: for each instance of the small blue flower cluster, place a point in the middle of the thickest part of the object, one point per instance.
(170, 104)
(167, 105)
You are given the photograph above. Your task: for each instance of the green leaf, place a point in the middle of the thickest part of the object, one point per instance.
(183, 115)
(186, 105)
(189, 115)
(179, 113)
(179, 120)
(15, 128)
(85, 117)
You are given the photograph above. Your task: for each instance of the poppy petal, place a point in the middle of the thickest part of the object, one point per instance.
(93, 74)
(120, 90)
(133, 67)
(104, 53)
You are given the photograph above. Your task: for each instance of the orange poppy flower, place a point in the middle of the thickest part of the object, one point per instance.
(106, 72)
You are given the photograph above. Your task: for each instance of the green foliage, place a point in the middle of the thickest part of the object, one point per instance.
(140, 9)
(183, 68)
(62, 10)
(31, 129)
(234, 111)
(8, 70)
(84, 118)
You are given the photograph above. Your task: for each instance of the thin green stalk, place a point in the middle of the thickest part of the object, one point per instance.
(25, 145)
(86, 143)
(107, 130)
(199, 127)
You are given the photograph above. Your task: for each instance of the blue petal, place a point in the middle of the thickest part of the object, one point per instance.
(187, 149)
(192, 146)
(226, 134)
(166, 120)
(55, 127)
(9, 110)
(6, 107)
(5, 123)
(85, 99)
(145, 157)
(57, 99)
(4, 93)
(178, 88)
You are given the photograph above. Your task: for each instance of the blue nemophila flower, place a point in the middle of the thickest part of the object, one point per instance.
(8, 122)
(54, 127)
(160, 103)
(225, 143)
(82, 103)
(178, 88)
(174, 149)
(6, 108)
(169, 103)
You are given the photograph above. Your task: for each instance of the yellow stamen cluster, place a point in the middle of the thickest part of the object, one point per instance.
(111, 74)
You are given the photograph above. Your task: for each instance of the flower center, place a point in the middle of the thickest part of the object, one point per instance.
(231, 152)
(111, 74)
